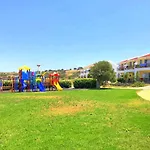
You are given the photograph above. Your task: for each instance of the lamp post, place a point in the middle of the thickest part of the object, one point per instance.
(39, 68)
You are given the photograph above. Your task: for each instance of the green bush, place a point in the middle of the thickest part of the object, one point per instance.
(120, 84)
(121, 80)
(135, 84)
(138, 84)
(85, 83)
(65, 83)
(7, 83)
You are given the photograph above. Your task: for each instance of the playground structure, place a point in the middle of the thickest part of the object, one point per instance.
(28, 81)
(1, 85)
(54, 81)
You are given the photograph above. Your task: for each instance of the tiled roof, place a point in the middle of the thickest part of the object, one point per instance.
(146, 55)
(135, 58)
(123, 61)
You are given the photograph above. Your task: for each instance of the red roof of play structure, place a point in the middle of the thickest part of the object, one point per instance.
(55, 74)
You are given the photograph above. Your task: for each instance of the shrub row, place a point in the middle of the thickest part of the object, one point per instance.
(121, 80)
(120, 84)
(138, 84)
(65, 83)
(79, 83)
(84, 83)
(135, 84)
(87, 83)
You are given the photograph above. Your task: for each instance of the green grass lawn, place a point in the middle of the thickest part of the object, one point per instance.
(74, 120)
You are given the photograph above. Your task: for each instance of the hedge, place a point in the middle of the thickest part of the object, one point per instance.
(138, 84)
(122, 80)
(84, 83)
(120, 84)
(65, 83)
(135, 84)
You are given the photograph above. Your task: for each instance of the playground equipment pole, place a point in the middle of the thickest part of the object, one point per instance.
(13, 84)
(38, 68)
(27, 82)
(1, 86)
(20, 84)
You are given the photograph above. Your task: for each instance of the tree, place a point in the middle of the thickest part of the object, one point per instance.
(102, 71)
(137, 76)
(89, 75)
(126, 77)
(80, 68)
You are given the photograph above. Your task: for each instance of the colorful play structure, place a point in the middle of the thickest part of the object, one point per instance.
(1, 85)
(28, 80)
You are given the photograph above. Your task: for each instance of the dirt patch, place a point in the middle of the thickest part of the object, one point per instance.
(145, 110)
(135, 103)
(41, 97)
(139, 105)
(68, 109)
(86, 104)
(112, 107)
(20, 98)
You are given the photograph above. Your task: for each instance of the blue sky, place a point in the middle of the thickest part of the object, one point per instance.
(71, 33)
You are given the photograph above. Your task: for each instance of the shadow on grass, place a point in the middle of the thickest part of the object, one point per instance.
(73, 89)
(101, 89)
(90, 89)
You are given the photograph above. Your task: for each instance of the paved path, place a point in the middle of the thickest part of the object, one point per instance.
(145, 93)
(135, 88)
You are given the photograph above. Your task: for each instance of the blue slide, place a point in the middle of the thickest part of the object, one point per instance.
(24, 85)
(41, 87)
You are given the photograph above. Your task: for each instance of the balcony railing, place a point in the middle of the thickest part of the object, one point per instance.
(145, 65)
(125, 68)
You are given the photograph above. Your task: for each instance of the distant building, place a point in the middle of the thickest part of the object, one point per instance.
(139, 64)
(85, 72)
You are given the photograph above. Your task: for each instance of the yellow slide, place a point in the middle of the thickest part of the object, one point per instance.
(59, 88)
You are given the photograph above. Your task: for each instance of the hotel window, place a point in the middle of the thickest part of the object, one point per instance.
(140, 61)
(145, 61)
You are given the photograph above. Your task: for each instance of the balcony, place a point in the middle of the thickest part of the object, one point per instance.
(139, 67)
(125, 68)
(145, 65)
